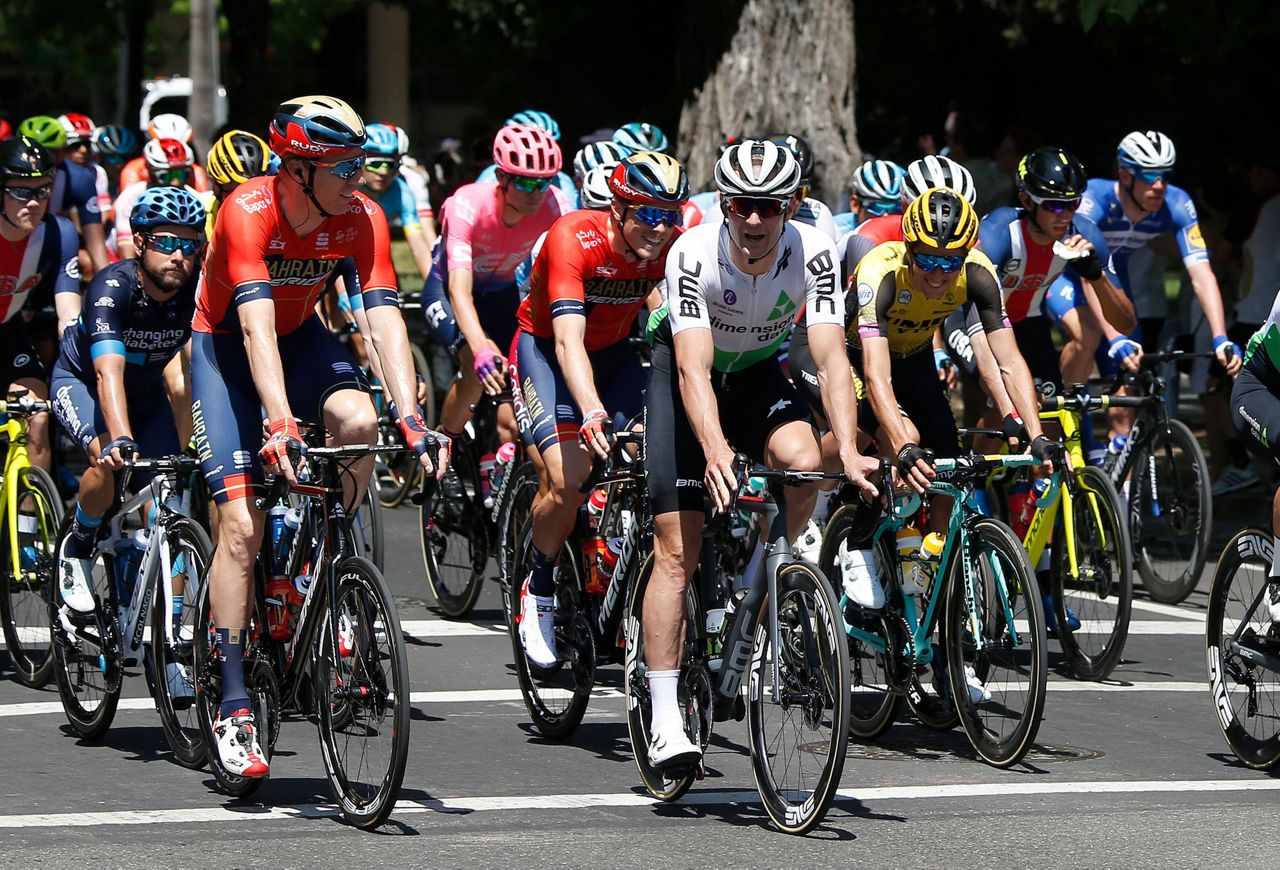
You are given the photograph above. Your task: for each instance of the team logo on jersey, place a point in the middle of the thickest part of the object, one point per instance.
(865, 294)
(1010, 265)
(113, 282)
(730, 298)
(100, 326)
(904, 298)
(275, 245)
(21, 360)
(606, 271)
(322, 240)
(253, 201)
(342, 237)
(1194, 237)
(92, 206)
(783, 306)
(105, 302)
(304, 271)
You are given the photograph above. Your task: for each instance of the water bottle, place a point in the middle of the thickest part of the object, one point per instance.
(275, 516)
(486, 478)
(909, 543)
(501, 463)
(931, 546)
(595, 507)
(603, 565)
(1021, 506)
(1116, 445)
(27, 528)
(128, 559)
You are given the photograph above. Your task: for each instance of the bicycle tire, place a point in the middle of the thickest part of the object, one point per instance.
(557, 699)
(183, 732)
(1248, 722)
(999, 729)
(367, 528)
(1168, 524)
(88, 660)
(24, 606)
(430, 405)
(264, 694)
(376, 682)
(513, 512)
(873, 705)
(664, 785)
(396, 473)
(1101, 594)
(815, 658)
(454, 543)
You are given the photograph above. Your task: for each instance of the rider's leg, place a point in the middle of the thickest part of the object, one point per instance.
(675, 557)
(463, 393)
(38, 430)
(1083, 336)
(795, 445)
(350, 418)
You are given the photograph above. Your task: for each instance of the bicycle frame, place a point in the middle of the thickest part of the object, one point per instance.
(14, 431)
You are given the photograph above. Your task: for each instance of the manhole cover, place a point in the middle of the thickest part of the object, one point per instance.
(945, 747)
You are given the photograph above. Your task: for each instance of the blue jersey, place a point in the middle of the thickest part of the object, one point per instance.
(76, 186)
(845, 222)
(400, 206)
(562, 181)
(119, 318)
(1026, 269)
(1177, 215)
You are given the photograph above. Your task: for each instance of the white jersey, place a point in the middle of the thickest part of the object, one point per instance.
(749, 316)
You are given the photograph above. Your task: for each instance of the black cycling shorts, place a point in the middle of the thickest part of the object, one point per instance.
(922, 399)
(18, 358)
(752, 403)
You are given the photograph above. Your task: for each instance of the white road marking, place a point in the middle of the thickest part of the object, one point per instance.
(418, 629)
(464, 805)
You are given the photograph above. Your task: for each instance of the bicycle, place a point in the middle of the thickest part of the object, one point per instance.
(780, 641)
(1170, 506)
(589, 609)
(982, 597)
(1244, 650)
(396, 474)
(30, 517)
(153, 587)
(343, 660)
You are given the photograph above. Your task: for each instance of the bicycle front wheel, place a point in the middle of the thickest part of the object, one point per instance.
(1246, 693)
(361, 679)
(995, 636)
(173, 633)
(29, 586)
(798, 719)
(87, 655)
(366, 527)
(1173, 514)
(454, 539)
(1100, 591)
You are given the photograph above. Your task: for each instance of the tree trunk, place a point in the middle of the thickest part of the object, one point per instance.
(788, 68)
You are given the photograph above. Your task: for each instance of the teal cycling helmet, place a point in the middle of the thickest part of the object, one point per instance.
(638, 136)
(384, 140)
(167, 206)
(535, 118)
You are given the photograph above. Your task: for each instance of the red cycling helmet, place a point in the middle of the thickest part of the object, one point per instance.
(162, 154)
(5, 130)
(529, 151)
(79, 127)
(317, 128)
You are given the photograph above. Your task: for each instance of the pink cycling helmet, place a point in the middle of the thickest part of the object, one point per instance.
(521, 150)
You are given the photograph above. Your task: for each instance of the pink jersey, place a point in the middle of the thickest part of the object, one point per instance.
(475, 237)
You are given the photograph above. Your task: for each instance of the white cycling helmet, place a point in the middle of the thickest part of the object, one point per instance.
(1146, 150)
(756, 167)
(878, 179)
(937, 171)
(606, 153)
(170, 126)
(162, 154)
(595, 187)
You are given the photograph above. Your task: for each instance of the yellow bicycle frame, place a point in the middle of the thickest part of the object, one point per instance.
(16, 460)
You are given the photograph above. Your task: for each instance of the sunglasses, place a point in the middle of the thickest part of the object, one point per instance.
(1056, 206)
(651, 216)
(1151, 176)
(381, 166)
(79, 143)
(948, 263)
(345, 169)
(172, 176)
(168, 244)
(528, 184)
(882, 207)
(26, 194)
(765, 206)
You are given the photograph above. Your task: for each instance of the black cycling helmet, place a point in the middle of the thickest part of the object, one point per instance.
(1052, 173)
(801, 151)
(22, 157)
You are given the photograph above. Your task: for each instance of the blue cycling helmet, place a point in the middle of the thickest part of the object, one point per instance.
(114, 142)
(535, 118)
(607, 154)
(273, 163)
(638, 136)
(383, 140)
(167, 206)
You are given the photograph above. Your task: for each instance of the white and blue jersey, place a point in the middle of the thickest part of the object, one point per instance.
(845, 221)
(1177, 215)
(1027, 269)
(400, 205)
(562, 181)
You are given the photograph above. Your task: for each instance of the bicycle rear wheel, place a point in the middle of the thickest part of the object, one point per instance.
(361, 679)
(513, 513)
(1172, 515)
(997, 678)
(1100, 592)
(366, 527)
(454, 541)
(172, 647)
(87, 654)
(28, 586)
(1246, 693)
(798, 743)
(430, 404)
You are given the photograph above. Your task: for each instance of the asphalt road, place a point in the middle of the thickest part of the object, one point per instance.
(1127, 773)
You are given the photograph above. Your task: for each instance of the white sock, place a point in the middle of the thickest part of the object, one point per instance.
(823, 505)
(1275, 564)
(665, 704)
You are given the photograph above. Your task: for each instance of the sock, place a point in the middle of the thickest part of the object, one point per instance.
(542, 578)
(1275, 564)
(665, 704)
(822, 506)
(234, 694)
(84, 528)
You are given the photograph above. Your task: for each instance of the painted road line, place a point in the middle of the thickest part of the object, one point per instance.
(508, 803)
(1152, 627)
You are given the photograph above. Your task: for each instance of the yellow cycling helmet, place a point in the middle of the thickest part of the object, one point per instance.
(236, 157)
(940, 218)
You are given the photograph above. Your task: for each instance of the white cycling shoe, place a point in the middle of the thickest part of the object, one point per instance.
(858, 577)
(73, 581)
(537, 628)
(237, 742)
(1273, 599)
(808, 544)
(670, 750)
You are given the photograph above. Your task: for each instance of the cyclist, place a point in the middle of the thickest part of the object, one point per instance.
(258, 344)
(79, 150)
(930, 171)
(113, 145)
(169, 163)
(546, 123)
(606, 154)
(874, 190)
(641, 136)
(236, 157)
(75, 192)
(577, 373)
(392, 192)
(108, 383)
(38, 261)
(470, 298)
(807, 209)
(166, 126)
(715, 387)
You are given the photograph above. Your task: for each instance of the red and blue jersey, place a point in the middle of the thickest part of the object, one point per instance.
(44, 263)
